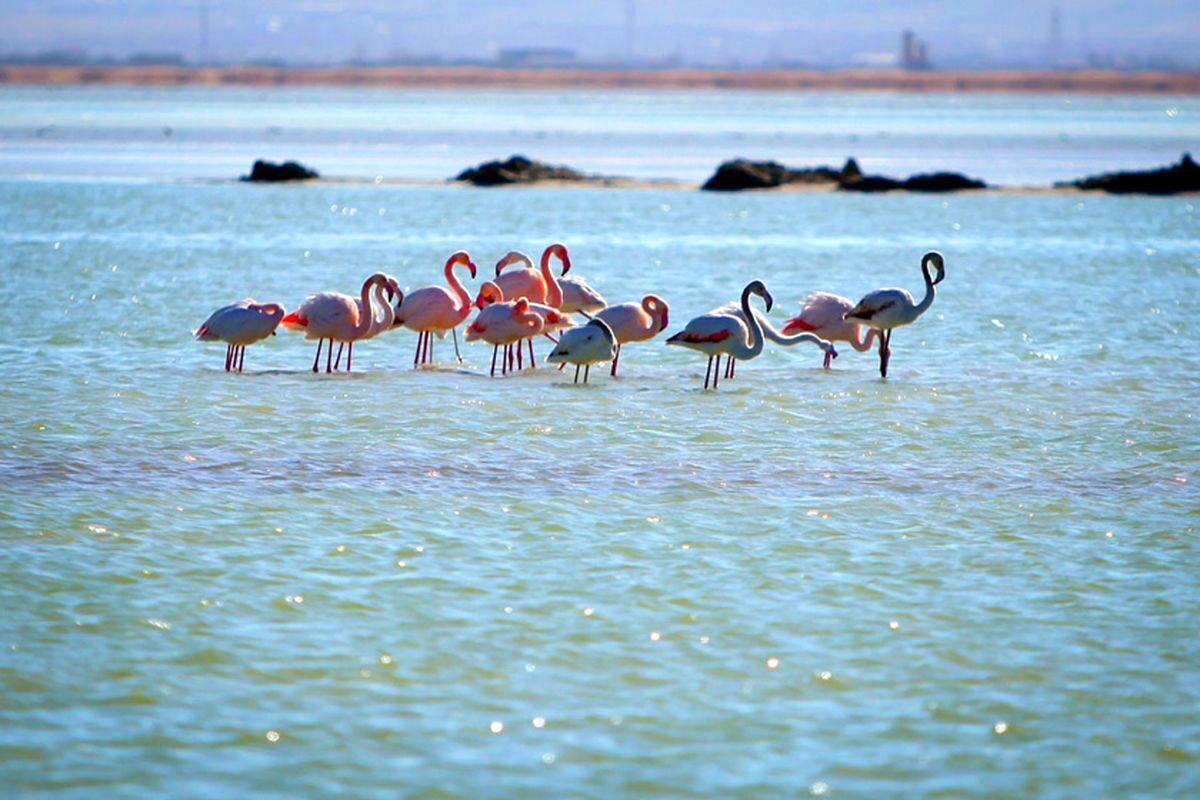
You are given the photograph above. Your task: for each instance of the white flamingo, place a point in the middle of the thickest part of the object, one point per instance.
(886, 309)
(635, 322)
(716, 334)
(238, 325)
(585, 345)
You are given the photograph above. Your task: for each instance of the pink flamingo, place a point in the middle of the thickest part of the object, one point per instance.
(824, 314)
(578, 295)
(552, 319)
(435, 309)
(635, 322)
(537, 286)
(378, 324)
(238, 325)
(503, 324)
(334, 316)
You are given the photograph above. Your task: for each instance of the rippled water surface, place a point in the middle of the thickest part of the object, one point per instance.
(978, 578)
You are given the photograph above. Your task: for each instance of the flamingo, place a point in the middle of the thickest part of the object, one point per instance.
(635, 322)
(336, 317)
(503, 324)
(238, 325)
(774, 335)
(886, 309)
(585, 345)
(824, 314)
(717, 333)
(552, 319)
(578, 294)
(435, 309)
(538, 286)
(378, 324)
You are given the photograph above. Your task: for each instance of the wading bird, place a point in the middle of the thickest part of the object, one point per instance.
(334, 316)
(436, 309)
(716, 334)
(886, 309)
(635, 322)
(238, 325)
(502, 324)
(824, 314)
(585, 345)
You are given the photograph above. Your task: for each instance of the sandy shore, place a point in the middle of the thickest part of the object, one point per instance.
(1092, 81)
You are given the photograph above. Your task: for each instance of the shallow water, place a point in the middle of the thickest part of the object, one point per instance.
(978, 578)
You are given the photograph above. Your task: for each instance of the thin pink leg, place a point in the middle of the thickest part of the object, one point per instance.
(417, 353)
(329, 357)
(317, 360)
(576, 373)
(586, 372)
(241, 357)
(429, 347)
(349, 355)
(520, 356)
(828, 360)
(532, 362)
(338, 363)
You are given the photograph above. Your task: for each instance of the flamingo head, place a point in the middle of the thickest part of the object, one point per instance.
(656, 305)
(461, 257)
(759, 288)
(559, 250)
(512, 257)
(939, 263)
(489, 293)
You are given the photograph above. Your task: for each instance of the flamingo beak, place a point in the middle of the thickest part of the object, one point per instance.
(471, 266)
(566, 259)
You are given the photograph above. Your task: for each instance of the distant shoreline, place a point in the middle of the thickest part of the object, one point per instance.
(888, 80)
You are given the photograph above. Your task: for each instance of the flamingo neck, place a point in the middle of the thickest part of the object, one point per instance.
(554, 297)
(863, 343)
(366, 316)
(741, 350)
(389, 313)
(464, 299)
(930, 292)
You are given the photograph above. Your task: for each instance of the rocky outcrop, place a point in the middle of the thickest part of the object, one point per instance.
(928, 182)
(267, 172)
(1181, 177)
(741, 174)
(518, 169)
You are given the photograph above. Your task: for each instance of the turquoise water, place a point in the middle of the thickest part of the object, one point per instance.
(195, 132)
(978, 578)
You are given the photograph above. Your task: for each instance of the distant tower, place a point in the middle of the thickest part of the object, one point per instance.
(203, 54)
(630, 29)
(913, 53)
(1054, 43)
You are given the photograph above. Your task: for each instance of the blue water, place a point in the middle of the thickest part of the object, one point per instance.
(974, 579)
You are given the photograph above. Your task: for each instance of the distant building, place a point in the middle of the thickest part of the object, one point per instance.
(156, 60)
(537, 57)
(914, 54)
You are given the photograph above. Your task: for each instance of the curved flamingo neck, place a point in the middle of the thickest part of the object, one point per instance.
(389, 313)
(554, 296)
(489, 293)
(863, 343)
(514, 258)
(457, 287)
(654, 309)
(740, 350)
(930, 292)
(366, 316)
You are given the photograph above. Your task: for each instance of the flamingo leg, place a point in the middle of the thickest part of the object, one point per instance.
(429, 347)
(532, 362)
(338, 363)
(733, 367)
(317, 360)
(586, 372)
(576, 373)
(708, 373)
(717, 373)
(495, 350)
(417, 354)
(241, 357)
(329, 357)
(349, 355)
(616, 359)
(520, 355)
(885, 353)
(228, 355)
(458, 355)
(828, 360)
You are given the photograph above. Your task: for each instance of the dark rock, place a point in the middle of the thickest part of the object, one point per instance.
(740, 174)
(518, 169)
(931, 182)
(1181, 177)
(267, 172)
(942, 182)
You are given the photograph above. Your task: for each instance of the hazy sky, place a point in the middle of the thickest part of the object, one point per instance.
(714, 31)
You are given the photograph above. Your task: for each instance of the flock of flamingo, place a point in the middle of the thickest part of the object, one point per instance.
(524, 302)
